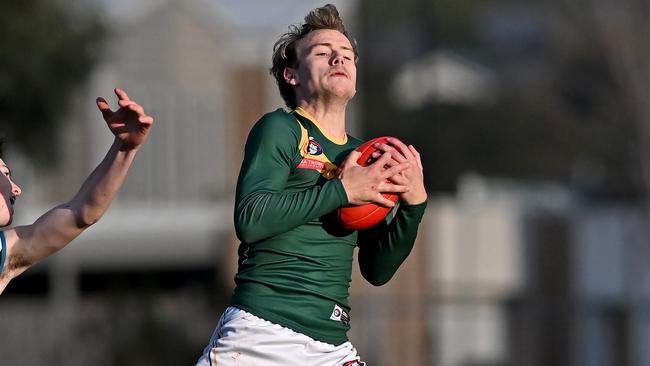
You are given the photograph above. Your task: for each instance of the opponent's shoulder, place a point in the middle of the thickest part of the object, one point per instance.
(8, 239)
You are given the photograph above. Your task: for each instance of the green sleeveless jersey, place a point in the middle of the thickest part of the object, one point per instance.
(295, 262)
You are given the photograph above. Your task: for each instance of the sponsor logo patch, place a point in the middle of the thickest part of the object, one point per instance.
(306, 163)
(314, 158)
(340, 315)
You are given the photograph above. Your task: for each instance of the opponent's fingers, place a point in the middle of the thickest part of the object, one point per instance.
(121, 94)
(147, 120)
(132, 106)
(137, 108)
(103, 106)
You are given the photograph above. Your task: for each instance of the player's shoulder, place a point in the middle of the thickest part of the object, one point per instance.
(354, 141)
(279, 117)
(277, 123)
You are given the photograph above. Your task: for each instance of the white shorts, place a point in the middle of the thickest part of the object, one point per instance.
(243, 339)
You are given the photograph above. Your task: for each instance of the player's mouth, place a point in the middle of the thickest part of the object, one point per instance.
(339, 73)
(12, 200)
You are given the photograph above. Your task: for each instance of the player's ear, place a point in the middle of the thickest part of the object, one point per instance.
(290, 76)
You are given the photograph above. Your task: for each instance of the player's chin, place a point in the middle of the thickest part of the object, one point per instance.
(343, 93)
(7, 220)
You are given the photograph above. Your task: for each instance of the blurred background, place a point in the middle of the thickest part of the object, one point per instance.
(532, 117)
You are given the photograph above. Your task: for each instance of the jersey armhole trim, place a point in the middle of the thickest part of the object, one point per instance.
(304, 140)
(3, 251)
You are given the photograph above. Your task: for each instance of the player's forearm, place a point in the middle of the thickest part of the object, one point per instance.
(384, 248)
(260, 215)
(101, 186)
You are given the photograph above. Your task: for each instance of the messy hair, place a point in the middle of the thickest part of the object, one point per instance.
(284, 50)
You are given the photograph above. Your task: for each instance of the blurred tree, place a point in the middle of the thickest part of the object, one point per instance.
(621, 30)
(555, 111)
(46, 48)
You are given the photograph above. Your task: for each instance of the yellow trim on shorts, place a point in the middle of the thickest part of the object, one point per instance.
(213, 350)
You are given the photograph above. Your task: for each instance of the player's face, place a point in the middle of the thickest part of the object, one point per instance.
(325, 66)
(10, 191)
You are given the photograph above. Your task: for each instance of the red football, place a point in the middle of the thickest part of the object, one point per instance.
(368, 215)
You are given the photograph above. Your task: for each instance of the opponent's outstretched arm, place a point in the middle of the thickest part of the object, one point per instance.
(56, 228)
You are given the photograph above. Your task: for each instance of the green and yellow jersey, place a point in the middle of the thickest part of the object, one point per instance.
(295, 262)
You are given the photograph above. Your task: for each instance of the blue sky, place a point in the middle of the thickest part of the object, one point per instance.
(251, 13)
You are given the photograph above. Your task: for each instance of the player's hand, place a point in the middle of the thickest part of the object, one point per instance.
(129, 123)
(366, 184)
(411, 177)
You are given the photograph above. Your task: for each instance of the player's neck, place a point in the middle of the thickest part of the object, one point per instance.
(330, 117)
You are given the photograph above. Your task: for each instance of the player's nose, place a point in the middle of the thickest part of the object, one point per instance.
(338, 59)
(15, 189)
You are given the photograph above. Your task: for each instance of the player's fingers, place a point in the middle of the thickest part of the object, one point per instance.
(103, 106)
(383, 160)
(387, 187)
(377, 154)
(392, 162)
(417, 156)
(400, 179)
(396, 154)
(121, 94)
(386, 174)
(401, 147)
(351, 159)
(383, 201)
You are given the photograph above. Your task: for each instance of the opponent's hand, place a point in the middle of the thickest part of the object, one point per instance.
(366, 184)
(129, 123)
(411, 177)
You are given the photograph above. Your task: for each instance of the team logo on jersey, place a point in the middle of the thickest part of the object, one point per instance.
(313, 147)
(313, 158)
(340, 315)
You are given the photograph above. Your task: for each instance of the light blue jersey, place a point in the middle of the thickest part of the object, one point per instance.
(3, 250)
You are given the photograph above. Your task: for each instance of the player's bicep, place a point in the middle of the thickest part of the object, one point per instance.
(271, 149)
(29, 244)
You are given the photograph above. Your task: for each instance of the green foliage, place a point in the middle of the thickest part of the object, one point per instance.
(46, 50)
